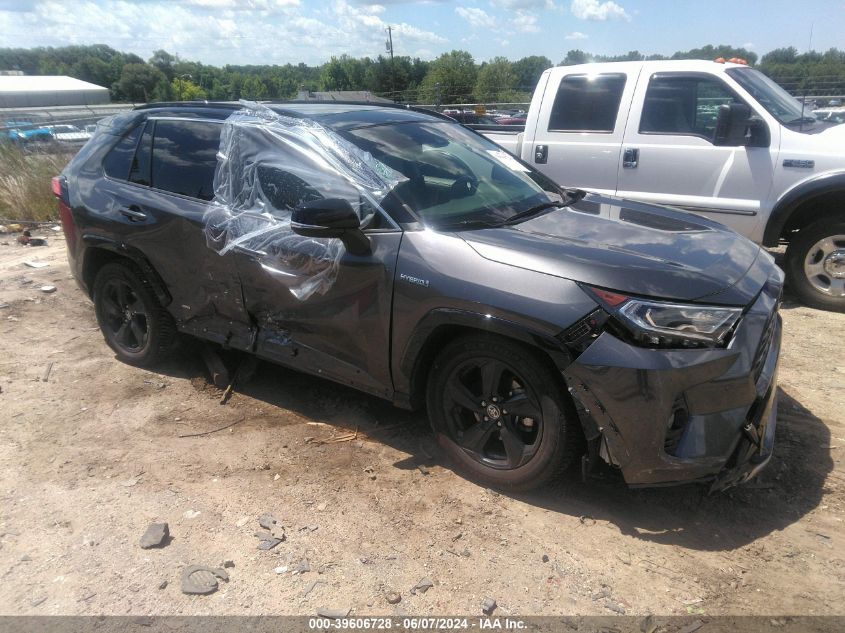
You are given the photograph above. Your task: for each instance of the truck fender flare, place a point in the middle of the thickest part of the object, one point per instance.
(793, 198)
(130, 252)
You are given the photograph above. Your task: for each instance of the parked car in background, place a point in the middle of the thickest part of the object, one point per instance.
(68, 134)
(505, 120)
(397, 252)
(25, 132)
(830, 115)
(718, 139)
(470, 117)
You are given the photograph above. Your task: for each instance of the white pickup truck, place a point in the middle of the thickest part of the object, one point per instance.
(718, 139)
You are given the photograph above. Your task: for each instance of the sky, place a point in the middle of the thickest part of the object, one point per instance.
(222, 32)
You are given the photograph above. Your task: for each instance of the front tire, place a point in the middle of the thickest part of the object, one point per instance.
(500, 413)
(815, 264)
(133, 322)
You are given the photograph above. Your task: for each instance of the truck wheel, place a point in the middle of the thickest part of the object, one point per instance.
(815, 264)
(135, 325)
(499, 413)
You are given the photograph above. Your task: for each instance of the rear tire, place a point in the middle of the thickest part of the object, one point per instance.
(133, 322)
(500, 413)
(815, 264)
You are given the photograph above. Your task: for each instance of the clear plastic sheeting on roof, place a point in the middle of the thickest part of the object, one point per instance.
(269, 164)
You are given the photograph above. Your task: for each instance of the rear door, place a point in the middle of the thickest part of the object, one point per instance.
(580, 128)
(670, 137)
(158, 208)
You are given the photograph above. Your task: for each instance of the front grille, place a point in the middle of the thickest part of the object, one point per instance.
(763, 349)
(579, 335)
(677, 425)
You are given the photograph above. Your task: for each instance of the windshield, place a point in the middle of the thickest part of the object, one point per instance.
(777, 101)
(454, 177)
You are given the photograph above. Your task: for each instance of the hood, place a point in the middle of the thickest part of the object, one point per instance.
(834, 132)
(628, 246)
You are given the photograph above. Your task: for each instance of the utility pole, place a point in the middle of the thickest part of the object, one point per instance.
(389, 46)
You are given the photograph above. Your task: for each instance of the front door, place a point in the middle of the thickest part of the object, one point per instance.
(318, 308)
(669, 156)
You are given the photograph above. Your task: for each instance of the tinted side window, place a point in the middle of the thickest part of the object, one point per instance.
(683, 105)
(117, 161)
(140, 171)
(184, 157)
(587, 103)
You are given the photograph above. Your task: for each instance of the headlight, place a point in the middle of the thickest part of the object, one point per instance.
(671, 324)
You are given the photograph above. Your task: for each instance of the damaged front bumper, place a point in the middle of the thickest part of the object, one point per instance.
(676, 416)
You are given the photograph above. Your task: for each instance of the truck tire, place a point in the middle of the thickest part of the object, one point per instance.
(133, 322)
(500, 413)
(815, 264)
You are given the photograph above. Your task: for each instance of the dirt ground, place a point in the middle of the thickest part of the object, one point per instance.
(91, 454)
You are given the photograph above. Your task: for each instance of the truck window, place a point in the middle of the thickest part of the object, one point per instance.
(587, 103)
(117, 161)
(185, 156)
(684, 105)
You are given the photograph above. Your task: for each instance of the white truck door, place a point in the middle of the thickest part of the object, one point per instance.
(669, 158)
(580, 128)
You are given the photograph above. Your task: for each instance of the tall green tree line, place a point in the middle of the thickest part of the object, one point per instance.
(451, 78)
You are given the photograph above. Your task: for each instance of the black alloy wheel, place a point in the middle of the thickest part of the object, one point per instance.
(501, 412)
(493, 414)
(133, 321)
(125, 315)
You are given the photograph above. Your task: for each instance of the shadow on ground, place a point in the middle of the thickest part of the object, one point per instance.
(686, 516)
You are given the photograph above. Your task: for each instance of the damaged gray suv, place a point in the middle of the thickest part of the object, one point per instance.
(394, 251)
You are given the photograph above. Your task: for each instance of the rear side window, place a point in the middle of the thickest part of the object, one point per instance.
(587, 103)
(117, 161)
(684, 105)
(185, 156)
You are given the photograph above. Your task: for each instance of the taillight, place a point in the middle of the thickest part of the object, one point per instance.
(59, 186)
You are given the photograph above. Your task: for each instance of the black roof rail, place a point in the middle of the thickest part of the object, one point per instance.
(234, 105)
(377, 104)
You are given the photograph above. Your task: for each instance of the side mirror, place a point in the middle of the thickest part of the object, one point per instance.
(737, 126)
(331, 217)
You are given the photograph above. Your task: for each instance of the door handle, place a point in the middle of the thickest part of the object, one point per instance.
(133, 213)
(541, 154)
(631, 158)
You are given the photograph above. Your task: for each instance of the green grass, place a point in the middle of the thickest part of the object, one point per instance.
(25, 192)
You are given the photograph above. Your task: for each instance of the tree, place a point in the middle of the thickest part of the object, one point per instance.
(574, 57)
(334, 75)
(496, 81)
(164, 61)
(455, 72)
(529, 69)
(714, 52)
(253, 89)
(186, 90)
(137, 81)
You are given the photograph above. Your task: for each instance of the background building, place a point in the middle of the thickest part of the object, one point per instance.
(30, 91)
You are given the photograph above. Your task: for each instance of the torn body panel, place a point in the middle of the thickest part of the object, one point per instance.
(270, 164)
(685, 415)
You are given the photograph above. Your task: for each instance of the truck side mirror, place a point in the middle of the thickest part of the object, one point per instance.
(331, 217)
(736, 126)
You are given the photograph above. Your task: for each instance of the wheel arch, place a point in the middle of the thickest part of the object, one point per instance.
(799, 206)
(101, 251)
(441, 326)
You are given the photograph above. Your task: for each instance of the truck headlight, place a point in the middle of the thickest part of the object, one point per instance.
(664, 324)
